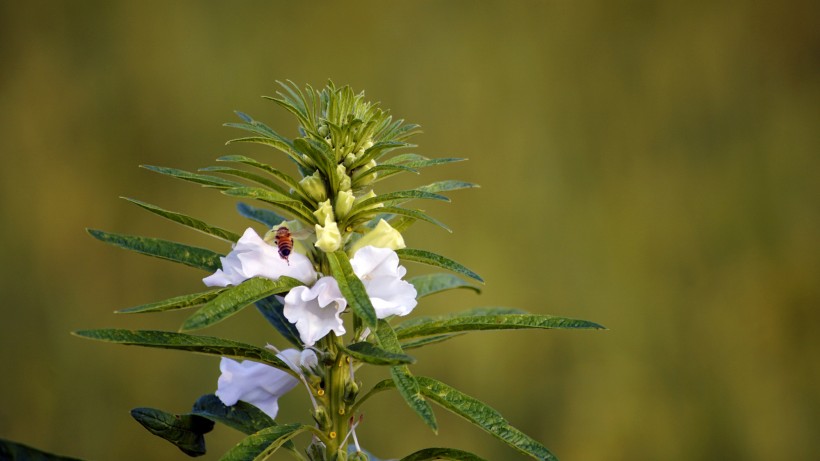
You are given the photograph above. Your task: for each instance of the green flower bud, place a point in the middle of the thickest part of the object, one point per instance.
(344, 202)
(365, 196)
(344, 179)
(349, 160)
(361, 177)
(358, 456)
(328, 237)
(314, 185)
(351, 392)
(324, 212)
(381, 236)
(317, 450)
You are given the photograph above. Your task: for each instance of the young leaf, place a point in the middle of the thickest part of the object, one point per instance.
(402, 378)
(187, 432)
(483, 416)
(273, 311)
(427, 257)
(179, 341)
(233, 299)
(205, 180)
(262, 444)
(493, 322)
(187, 221)
(179, 302)
(352, 288)
(369, 353)
(260, 215)
(199, 258)
(442, 453)
(435, 283)
(12, 451)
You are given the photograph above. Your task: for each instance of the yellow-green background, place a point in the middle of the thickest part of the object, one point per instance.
(652, 166)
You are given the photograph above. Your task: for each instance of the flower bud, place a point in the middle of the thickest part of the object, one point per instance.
(358, 456)
(344, 202)
(314, 185)
(361, 177)
(381, 236)
(328, 237)
(349, 160)
(321, 417)
(325, 212)
(344, 179)
(351, 392)
(316, 451)
(370, 194)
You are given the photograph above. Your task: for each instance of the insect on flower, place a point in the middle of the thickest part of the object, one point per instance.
(284, 242)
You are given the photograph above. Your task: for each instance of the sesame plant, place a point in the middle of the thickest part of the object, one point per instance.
(324, 266)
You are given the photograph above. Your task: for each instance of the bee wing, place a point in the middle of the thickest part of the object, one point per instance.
(302, 234)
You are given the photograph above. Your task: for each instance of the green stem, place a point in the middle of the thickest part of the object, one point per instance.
(337, 377)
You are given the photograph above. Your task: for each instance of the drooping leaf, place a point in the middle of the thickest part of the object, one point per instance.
(187, 432)
(205, 180)
(241, 416)
(179, 302)
(494, 322)
(273, 311)
(436, 283)
(483, 416)
(260, 215)
(404, 381)
(372, 354)
(430, 258)
(13, 451)
(180, 341)
(428, 454)
(235, 298)
(264, 443)
(199, 258)
(187, 221)
(352, 288)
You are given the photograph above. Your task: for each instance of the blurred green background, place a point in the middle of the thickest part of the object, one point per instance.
(652, 166)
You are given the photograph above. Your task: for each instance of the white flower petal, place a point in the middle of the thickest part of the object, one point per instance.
(252, 257)
(380, 272)
(252, 382)
(316, 311)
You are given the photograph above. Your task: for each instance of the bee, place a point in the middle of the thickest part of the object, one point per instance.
(284, 242)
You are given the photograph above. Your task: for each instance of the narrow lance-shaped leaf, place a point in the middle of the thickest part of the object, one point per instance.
(286, 203)
(430, 258)
(414, 214)
(483, 416)
(372, 354)
(428, 454)
(260, 215)
(448, 185)
(284, 178)
(234, 299)
(402, 378)
(352, 288)
(187, 221)
(12, 451)
(274, 312)
(178, 302)
(427, 341)
(266, 182)
(199, 258)
(180, 341)
(185, 431)
(262, 444)
(205, 180)
(436, 283)
(494, 322)
(476, 311)
(399, 195)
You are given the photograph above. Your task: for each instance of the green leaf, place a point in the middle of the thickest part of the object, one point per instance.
(430, 258)
(483, 416)
(448, 185)
(179, 302)
(416, 161)
(199, 258)
(283, 177)
(273, 311)
(260, 215)
(428, 340)
(12, 451)
(399, 195)
(436, 283)
(187, 432)
(284, 202)
(205, 180)
(241, 416)
(235, 298)
(493, 322)
(267, 182)
(442, 453)
(262, 444)
(180, 341)
(352, 288)
(415, 214)
(187, 221)
(370, 353)
(402, 378)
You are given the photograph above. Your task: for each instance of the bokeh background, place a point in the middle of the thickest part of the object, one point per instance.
(652, 166)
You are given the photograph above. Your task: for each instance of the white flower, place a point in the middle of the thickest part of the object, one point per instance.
(316, 311)
(259, 384)
(380, 272)
(252, 257)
